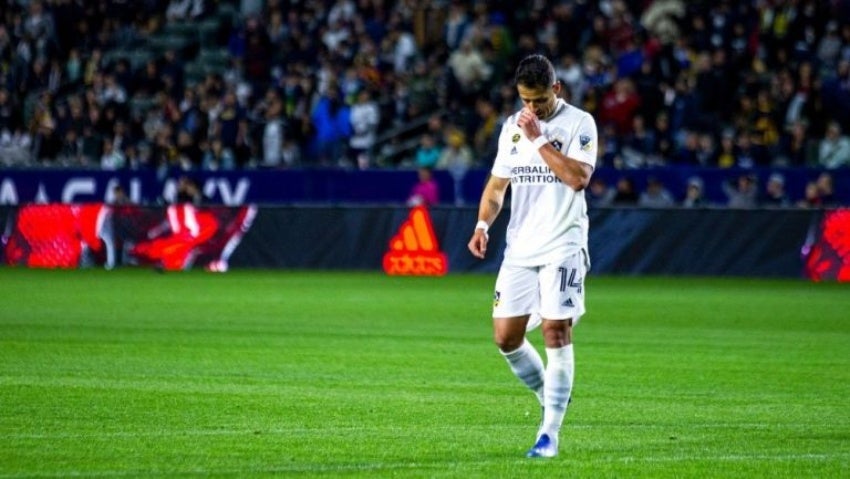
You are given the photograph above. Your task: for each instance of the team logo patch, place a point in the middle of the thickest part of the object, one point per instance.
(585, 142)
(515, 138)
(496, 297)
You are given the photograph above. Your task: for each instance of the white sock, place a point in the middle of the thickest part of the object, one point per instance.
(527, 365)
(559, 384)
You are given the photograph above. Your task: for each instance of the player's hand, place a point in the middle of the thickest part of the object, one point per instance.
(478, 244)
(529, 123)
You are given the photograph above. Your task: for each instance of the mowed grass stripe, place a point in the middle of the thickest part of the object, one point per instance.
(264, 373)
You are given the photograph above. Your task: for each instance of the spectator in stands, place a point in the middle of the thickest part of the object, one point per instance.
(456, 25)
(664, 146)
(599, 193)
(331, 119)
(489, 124)
(826, 188)
(655, 195)
(774, 192)
(694, 193)
(217, 156)
(811, 196)
(626, 193)
(468, 71)
(610, 147)
(834, 149)
(726, 156)
(425, 192)
(619, 106)
(404, 48)
(365, 119)
(456, 158)
(639, 145)
(749, 151)
(273, 133)
(428, 152)
(688, 153)
(183, 10)
(112, 158)
(742, 191)
(793, 148)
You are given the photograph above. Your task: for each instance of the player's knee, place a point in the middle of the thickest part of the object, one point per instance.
(507, 343)
(557, 334)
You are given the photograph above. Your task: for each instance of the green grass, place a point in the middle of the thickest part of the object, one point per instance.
(253, 374)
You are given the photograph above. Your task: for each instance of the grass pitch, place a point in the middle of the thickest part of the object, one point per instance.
(252, 374)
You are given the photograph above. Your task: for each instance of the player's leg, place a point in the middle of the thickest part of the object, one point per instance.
(515, 297)
(562, 303)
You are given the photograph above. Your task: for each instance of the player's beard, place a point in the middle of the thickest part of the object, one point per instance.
(546, 111)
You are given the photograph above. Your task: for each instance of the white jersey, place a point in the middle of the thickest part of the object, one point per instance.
(548, 218)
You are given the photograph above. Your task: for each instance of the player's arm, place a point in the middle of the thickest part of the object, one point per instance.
(574, 173)
(492, 200)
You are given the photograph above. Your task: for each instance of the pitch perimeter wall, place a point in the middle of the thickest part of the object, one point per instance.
(703, 242)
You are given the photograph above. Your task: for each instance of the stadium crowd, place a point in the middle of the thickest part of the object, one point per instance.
(206, 84)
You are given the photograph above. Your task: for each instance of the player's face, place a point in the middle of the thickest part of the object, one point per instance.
(540, 100)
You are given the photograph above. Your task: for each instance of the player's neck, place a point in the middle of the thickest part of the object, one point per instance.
(556, 108)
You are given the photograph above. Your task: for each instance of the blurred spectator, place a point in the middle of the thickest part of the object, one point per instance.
(834, 149)
(599, 193)
(811, 196)
(655, 195)
(428, 152)
(742, 191)
(774, 193)
(112, 158)
(457, 23)
(218, 157)
(639, 145)
(365, 119)
(626, 193)
(182, 10)
(619, 106)
(794, 148)
(694, 194)
(273, 134)
(826, 189)
(456, 158)
(425, 192)
(749, 152)
(468, 70)
(332, 122)
(726, 156)
(664, 141)
(688, 154)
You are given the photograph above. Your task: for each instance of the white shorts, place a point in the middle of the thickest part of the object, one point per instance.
(553, 291)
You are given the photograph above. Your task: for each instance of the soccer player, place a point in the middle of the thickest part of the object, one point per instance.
(546, 153)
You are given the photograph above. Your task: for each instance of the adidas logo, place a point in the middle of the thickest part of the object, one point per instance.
(568, 303)
(414, 249)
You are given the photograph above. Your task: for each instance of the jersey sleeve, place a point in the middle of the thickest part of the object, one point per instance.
(584, 144)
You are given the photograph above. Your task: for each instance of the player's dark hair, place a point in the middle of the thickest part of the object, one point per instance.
(535, 71)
